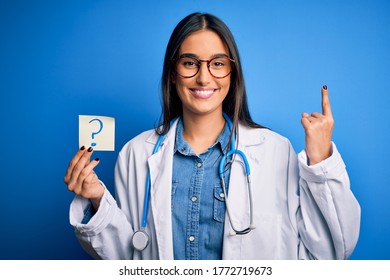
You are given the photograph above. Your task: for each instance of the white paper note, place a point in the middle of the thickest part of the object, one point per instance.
(97, 132)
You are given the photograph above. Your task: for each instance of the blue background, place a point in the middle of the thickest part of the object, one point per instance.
(59, 59)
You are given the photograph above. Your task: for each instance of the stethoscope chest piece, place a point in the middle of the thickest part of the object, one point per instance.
(140, 240)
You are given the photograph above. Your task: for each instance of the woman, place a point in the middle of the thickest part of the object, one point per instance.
(296, 207)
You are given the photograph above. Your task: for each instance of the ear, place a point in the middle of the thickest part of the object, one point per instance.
(173, 78)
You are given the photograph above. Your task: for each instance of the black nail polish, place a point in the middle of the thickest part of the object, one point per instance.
(324, 87)
(90, 149)
(82, 148)
(97, 159)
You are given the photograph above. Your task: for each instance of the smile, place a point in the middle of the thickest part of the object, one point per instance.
(202, 93)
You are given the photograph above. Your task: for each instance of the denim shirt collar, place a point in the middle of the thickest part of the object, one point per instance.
(182, 146)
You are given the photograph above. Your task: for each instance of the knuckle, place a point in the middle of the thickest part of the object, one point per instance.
(327, 122)
(73, 162)
(78, 167)
(89, 181)
(77, 192)
(309, 131)
(71, 187)
(84, 173)
(80, 191)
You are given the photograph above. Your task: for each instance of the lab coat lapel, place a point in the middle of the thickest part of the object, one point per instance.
(160, 166)
(238, 187)
(238, 196)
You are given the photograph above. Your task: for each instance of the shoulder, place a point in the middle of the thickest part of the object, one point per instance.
(249, 135)
(140, 142)
(144, 143)
(268, 145)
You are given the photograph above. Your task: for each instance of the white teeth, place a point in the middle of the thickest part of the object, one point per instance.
(204, 92)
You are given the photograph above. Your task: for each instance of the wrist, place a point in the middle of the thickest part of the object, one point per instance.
(96, 200)
(311, 160)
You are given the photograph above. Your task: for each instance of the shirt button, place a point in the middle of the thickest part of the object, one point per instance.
(222, 195)
(183, 149)
(191, 238)
(199, 165)
(194, 198)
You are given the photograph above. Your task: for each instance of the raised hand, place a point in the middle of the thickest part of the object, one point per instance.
(318, 131)
(81, 179)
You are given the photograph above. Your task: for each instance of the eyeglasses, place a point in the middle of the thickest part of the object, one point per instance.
(188, 66)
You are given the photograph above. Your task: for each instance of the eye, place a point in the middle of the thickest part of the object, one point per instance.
(188, 62)
(218, 63)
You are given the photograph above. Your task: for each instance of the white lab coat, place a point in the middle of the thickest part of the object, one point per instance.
(300, 211)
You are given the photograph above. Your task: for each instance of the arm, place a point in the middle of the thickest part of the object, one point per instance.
(107, 234)
(329, 216)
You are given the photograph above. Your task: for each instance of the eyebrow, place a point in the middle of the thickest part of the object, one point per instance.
(192, 55)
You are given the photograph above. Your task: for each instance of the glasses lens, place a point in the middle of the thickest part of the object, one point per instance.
(187, 66)
(220, 67)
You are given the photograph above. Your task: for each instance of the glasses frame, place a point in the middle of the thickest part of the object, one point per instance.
(175, 60)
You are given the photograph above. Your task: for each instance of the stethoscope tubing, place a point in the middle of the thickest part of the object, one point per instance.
(140, 238)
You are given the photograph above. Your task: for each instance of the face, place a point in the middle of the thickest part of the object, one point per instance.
(202, 94)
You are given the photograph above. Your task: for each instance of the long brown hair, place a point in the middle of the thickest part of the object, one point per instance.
(235, 104)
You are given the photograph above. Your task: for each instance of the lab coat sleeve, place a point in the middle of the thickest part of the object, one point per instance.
(328, 218)
(108, 233)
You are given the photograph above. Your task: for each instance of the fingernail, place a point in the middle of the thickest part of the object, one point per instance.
(324, 87)
(90, 149)
(97, 159)
(82, 148)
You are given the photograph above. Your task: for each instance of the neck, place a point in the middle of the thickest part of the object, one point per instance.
(201, 131)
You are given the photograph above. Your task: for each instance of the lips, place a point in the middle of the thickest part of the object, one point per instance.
(202, 93)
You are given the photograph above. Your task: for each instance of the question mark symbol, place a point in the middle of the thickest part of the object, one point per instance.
(97, 132)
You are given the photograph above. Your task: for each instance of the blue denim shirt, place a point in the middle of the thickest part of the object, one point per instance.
(198, 203)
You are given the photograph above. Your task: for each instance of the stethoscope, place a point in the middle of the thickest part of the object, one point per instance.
(140, 239)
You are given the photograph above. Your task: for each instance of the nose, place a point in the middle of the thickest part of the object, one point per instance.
(203, 77)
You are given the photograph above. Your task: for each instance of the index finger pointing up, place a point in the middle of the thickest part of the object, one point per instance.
(326, 110)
